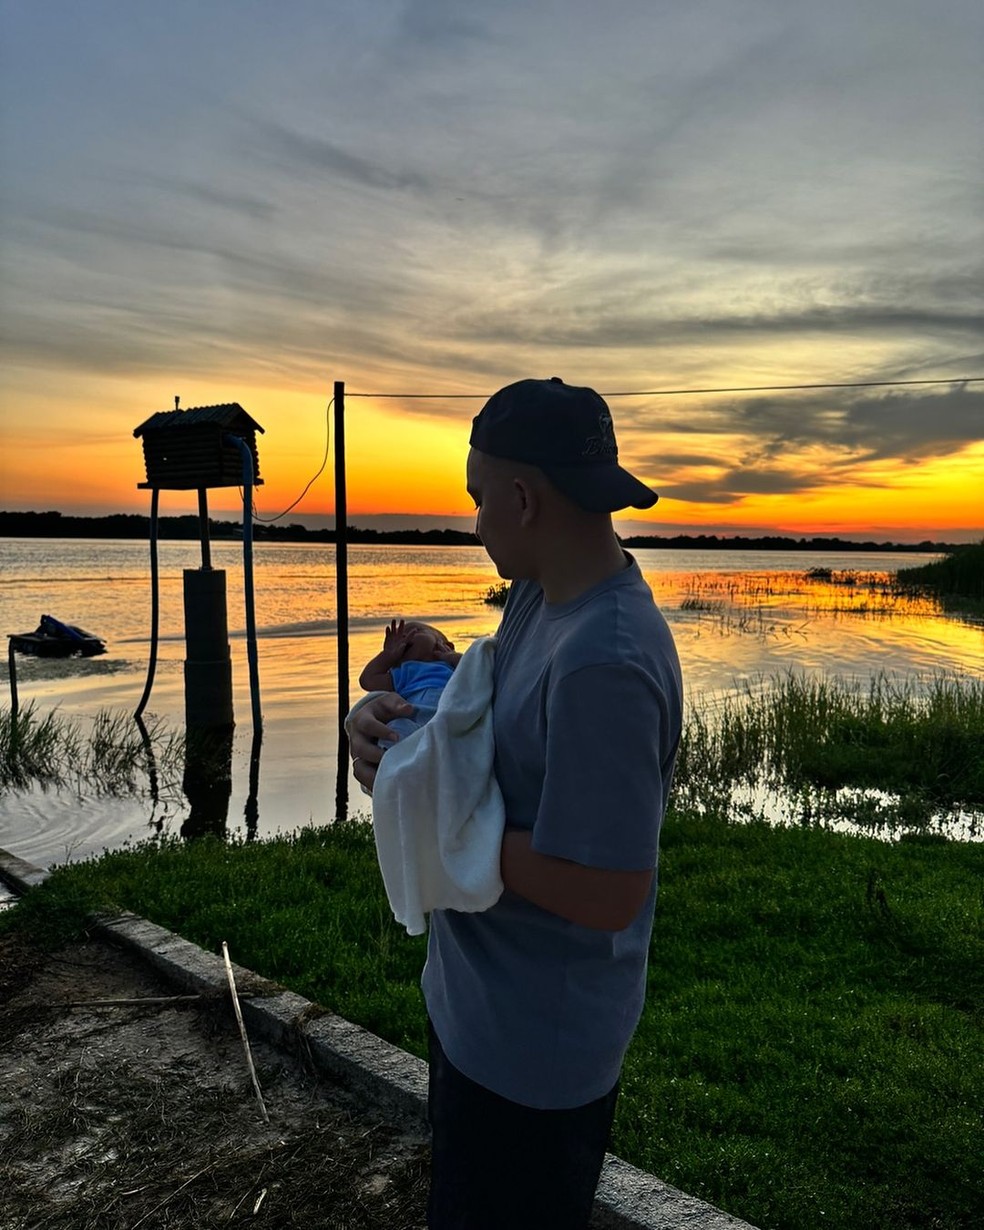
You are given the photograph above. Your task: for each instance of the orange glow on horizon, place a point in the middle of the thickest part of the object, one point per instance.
(80, 456)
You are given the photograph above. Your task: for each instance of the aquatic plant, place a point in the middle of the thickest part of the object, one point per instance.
(496, 595)
(958, 577)
(797, 731)
(115, 756)
(35, 748)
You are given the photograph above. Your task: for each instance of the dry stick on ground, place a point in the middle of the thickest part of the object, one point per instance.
(242, 1030)
(138, 1002)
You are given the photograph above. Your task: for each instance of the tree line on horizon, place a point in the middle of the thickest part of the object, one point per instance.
(53, 524)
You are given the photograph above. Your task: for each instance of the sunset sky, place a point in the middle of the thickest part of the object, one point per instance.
(232, 200)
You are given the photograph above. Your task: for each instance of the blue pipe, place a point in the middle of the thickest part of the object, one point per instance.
(155, 604)
(251, 655)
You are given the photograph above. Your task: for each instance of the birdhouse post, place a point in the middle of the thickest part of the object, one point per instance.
(192, 450)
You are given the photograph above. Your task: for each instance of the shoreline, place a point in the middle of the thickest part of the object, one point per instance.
(180, 528)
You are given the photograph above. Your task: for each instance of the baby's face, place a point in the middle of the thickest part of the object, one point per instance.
(425, 643)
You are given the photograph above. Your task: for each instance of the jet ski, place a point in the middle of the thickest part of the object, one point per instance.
(53, 639)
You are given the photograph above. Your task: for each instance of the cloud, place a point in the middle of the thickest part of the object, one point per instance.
(657, 331)
(299, 153)
(679, 460)
(736, 482)
(223, 202)
(428, 196)
(792, 445)
(438, 27)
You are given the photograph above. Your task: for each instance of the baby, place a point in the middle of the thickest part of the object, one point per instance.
(416, 661)
(437, 811)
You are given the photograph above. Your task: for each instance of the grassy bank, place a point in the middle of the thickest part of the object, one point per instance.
(957, 578)
(809, 1051)
(925, 745)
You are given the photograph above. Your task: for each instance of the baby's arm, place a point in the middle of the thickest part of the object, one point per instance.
(376, 675)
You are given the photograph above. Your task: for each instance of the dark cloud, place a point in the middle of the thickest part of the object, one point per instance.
(751, 481)
(243, 204)
(899, 426)
(733, 484)
(697, 493)
(302, 154)
(573, 326)
(679, 460)
(438, 26)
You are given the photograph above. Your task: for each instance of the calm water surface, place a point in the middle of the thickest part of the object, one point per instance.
(738, 618)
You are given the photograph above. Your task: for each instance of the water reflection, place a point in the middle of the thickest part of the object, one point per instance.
(251, 809)
(859, 811)
(153, 780)
(207, 780)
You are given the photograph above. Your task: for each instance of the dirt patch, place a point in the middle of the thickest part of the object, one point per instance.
(145, 1116)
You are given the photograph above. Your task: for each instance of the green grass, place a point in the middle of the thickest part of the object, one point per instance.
(957, 578)
(812, 1033)
(924, 744)
(809, 1053)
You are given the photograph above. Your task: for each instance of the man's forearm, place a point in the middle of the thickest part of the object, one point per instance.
(589, 896)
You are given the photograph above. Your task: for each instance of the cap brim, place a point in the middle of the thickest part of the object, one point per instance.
(604, 488)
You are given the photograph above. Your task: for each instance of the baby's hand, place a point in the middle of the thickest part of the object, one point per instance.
(396, 638)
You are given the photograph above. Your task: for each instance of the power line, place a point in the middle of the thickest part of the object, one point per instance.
(749, 388)
(757, 388)
(773, 388)
(324, 462)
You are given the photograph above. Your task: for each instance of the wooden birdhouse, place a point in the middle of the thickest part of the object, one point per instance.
(189, 449)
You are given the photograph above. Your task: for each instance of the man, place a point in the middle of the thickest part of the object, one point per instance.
(533, 1002)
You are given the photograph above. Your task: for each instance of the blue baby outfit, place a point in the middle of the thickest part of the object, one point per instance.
(421, 684)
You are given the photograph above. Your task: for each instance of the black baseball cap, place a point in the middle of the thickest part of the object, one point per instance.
(566, 432)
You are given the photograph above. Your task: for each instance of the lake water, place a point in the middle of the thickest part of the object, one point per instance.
(738, 618)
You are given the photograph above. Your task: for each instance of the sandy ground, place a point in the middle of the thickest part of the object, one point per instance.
(144, 1116)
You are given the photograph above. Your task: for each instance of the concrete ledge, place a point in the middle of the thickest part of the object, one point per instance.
(632, 1199)
(386, 1076)
(20, 875)
(383, 1074)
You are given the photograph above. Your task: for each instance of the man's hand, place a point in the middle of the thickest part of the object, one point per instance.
(367, 728)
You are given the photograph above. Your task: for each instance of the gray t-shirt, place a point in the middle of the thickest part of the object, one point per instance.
(587, 713)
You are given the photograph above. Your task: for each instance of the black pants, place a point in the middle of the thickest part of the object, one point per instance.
(496, 1165)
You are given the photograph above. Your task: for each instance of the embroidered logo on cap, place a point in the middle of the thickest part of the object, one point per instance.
(603, 444)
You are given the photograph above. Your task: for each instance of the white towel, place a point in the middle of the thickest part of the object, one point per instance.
(437, 811)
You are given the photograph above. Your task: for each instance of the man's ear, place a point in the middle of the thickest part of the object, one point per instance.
(527, 499)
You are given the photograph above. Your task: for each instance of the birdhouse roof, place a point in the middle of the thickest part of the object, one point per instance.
(231, 414)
